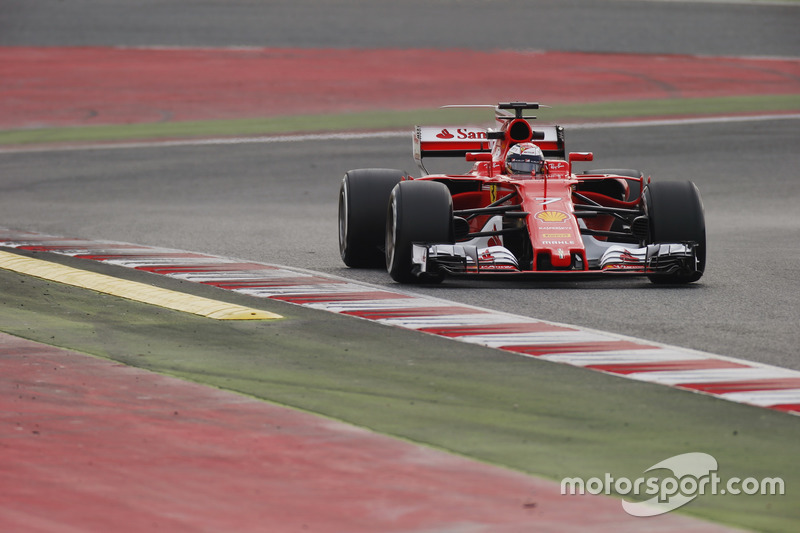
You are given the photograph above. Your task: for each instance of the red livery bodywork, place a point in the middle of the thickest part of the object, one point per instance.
(490, 221)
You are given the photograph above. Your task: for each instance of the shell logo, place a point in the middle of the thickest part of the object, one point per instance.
(552, 216)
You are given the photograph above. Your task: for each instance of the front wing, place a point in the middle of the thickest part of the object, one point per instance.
(617, 259)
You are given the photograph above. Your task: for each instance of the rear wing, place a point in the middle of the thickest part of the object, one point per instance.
(436, 141)
(431, 141)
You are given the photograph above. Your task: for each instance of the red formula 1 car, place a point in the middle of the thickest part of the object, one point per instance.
(520, 210)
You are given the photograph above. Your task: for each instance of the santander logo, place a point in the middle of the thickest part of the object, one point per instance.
(462, 134)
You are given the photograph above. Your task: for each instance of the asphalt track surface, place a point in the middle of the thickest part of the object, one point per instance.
(276, 203)
(679, 27)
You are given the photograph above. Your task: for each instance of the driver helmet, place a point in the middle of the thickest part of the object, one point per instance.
(524, 158)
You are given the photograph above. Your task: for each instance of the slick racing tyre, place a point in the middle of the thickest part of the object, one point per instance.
(419, 212)
(675, 213)
(363, 197)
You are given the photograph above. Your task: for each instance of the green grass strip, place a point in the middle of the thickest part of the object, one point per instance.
(541, 418)
(384, 120)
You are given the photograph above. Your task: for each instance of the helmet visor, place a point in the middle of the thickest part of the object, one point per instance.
(524, 164)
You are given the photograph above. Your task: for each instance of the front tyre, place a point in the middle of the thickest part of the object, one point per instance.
(419, 212)
(363, 196)
(675, 213)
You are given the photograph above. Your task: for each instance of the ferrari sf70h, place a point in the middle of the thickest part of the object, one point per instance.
(520, 210)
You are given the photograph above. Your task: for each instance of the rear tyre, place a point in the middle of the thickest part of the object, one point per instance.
(363, 197)
(419, 212)
(675, 213)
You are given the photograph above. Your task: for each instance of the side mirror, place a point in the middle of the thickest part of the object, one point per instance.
(579, 156)
(479, 156)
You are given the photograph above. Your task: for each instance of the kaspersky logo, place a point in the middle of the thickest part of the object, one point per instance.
(672, 483)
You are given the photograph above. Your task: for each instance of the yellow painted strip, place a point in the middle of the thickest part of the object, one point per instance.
(131, 290)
